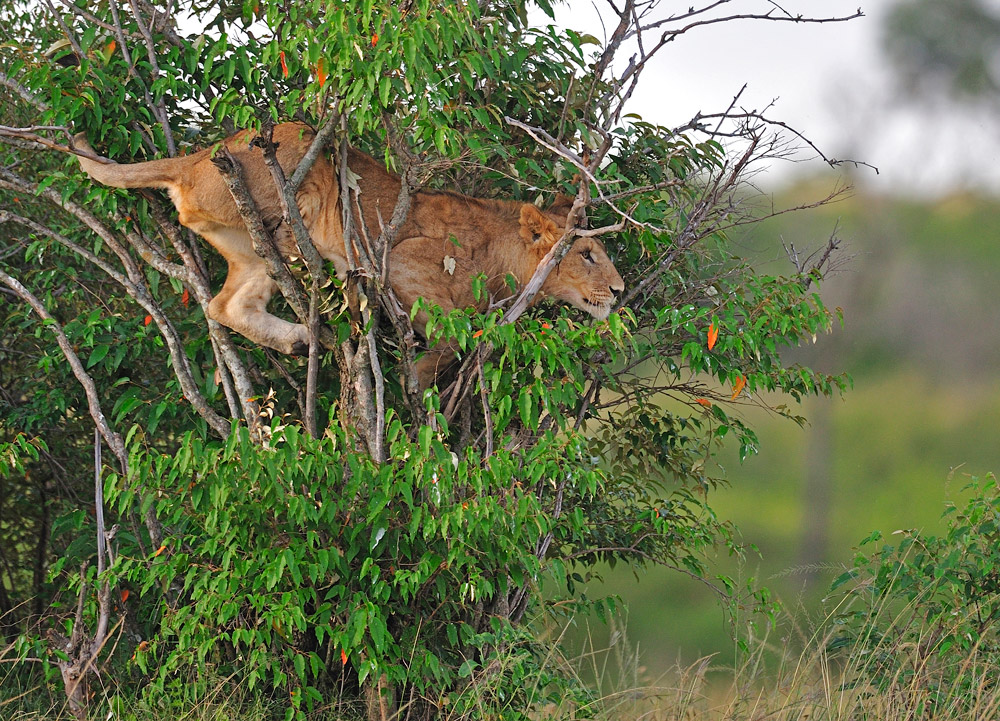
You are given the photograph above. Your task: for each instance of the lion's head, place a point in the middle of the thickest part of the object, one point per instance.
(585, 277)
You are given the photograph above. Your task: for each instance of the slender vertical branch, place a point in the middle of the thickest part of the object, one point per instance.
(104, 592)
(287, 192)
(158, 107)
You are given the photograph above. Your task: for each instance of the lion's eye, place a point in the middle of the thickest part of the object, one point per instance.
(587, 257)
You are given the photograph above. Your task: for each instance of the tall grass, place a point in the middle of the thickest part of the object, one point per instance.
(789, 677)
(797, 674)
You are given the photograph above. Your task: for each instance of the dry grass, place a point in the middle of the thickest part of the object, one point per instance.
(790, 679)
(793, 678)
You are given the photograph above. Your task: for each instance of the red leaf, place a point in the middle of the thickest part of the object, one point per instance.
(321, 72)
(713, 335)
(185, 297)
(284, 67)
(374, 39)
(343, 657)
(703, 402)
(738, 386)
(147, 320)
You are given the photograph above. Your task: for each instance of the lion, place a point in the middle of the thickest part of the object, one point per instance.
(492, 237)
(498, 239)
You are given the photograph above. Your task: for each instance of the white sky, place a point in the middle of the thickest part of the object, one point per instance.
(830, 83)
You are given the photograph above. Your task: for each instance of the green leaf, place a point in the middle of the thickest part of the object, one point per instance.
(97, 355)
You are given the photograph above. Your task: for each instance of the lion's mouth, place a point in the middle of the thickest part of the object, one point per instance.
(598, 310)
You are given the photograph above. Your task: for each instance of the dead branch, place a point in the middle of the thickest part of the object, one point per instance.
(696, 123)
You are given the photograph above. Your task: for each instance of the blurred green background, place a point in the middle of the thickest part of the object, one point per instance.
(920, 339)
(916, 92)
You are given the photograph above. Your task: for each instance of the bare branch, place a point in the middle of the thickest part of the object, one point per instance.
(110, 436)
(696, 124)
(27, 95)
(132, 283)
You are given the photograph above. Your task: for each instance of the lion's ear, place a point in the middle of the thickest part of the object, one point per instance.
(535, 227)
(561, 205)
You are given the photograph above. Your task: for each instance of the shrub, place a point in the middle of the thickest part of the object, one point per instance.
(922, 617)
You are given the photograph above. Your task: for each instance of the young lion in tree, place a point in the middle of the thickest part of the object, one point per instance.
(496, 238)
(481, 236)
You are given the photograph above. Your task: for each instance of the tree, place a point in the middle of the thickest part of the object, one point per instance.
(944, 47)
(319, 528)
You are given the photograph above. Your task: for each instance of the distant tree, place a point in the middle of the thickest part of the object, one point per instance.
(318, 529)
(945, 48)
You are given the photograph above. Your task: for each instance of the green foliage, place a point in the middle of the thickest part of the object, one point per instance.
(302, 562)
(921, 609)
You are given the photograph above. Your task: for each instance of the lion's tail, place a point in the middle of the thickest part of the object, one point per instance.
(152, 174)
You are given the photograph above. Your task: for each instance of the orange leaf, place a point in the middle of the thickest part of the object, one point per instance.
(321, 72)
(160, 550)
(185, 298)
(374, 39)
(124, 595)
(477, 334)
(284, 67)
(148, 319)
(713, 335)
(110, 48)
(738, 386)
(343, 657)
(703, 402)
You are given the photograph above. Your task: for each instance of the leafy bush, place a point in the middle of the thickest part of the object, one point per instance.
(922, 617)
(302, 562)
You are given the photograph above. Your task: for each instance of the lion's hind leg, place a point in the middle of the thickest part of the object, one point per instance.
(242, 306)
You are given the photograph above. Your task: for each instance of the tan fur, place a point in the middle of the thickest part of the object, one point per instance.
(482, 236)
